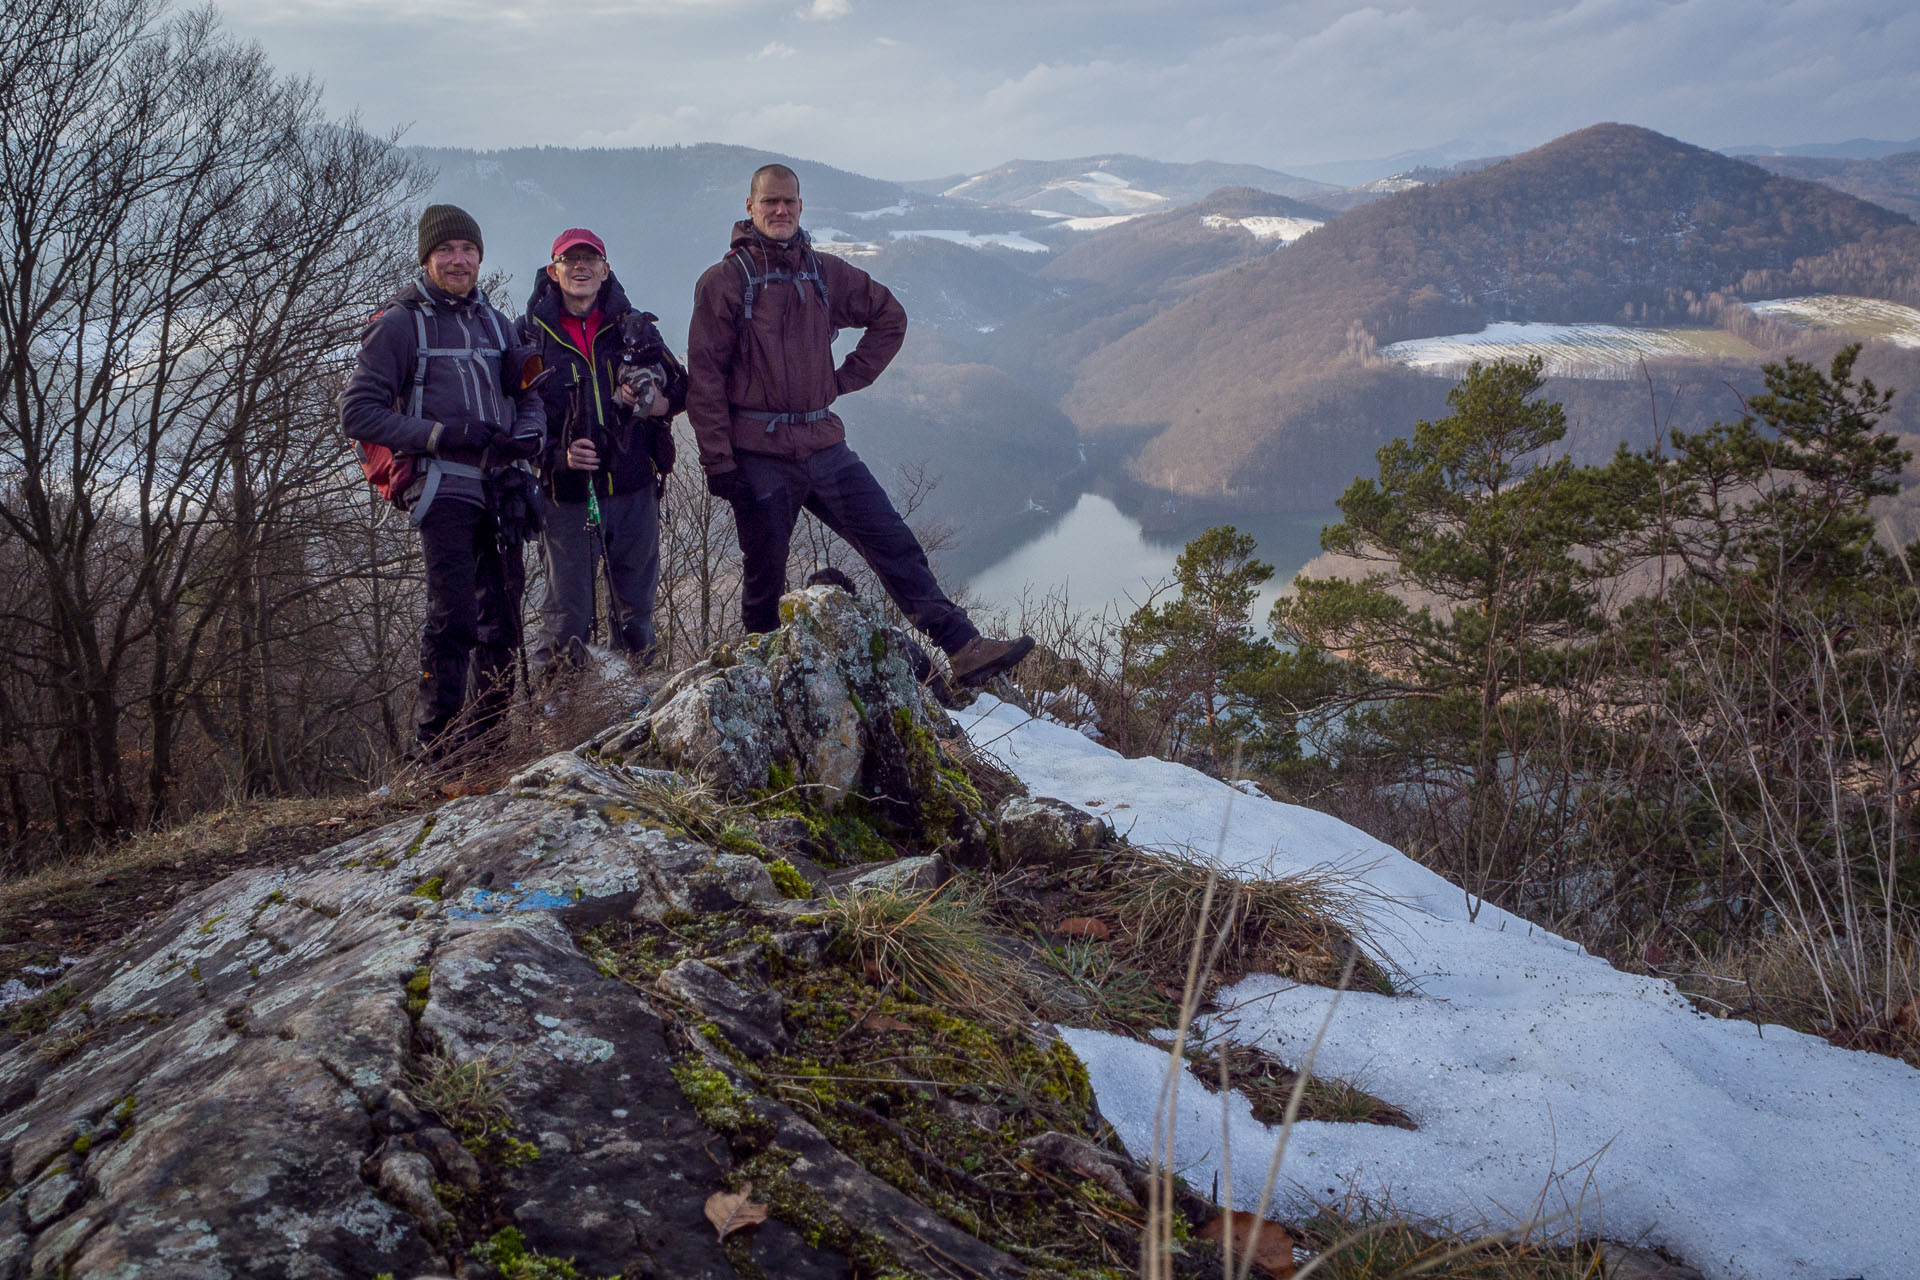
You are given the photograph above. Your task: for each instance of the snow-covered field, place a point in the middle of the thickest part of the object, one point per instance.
(1538, 1074)
(978, 239)
(1860, 317)
(1110, 192)
(1285, 230)
(1566, 350)
(835, 241)
(1090, 224)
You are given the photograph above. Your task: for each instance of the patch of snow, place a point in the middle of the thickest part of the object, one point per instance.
(1864, 317)
(960, 188)
(891, 211)
(976, 239)
(838, 243)
(1392, 184)
(1536, 1072)
(1285, 230)
(1110, 192)
(1565, 350)
(13, 991)
(1096, 224)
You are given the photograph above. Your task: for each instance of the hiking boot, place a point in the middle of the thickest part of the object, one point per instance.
(981, 659)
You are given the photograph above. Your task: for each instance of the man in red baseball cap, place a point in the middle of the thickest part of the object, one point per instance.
(610, 400)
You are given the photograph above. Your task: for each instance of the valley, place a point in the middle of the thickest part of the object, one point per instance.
(1243, 339)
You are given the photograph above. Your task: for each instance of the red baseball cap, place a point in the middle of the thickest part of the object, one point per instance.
(577, 236)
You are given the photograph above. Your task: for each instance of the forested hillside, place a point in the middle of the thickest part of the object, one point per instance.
(1247, 383)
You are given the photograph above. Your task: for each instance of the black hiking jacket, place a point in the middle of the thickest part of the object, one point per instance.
(460, 388)
(579, 396)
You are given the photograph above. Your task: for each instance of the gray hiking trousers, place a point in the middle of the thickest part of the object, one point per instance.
(570, 554)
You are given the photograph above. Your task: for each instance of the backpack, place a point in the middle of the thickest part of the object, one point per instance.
(391, 473)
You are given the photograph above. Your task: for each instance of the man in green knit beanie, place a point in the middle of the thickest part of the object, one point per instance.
(441, 380)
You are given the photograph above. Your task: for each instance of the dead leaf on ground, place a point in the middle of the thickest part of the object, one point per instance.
(1084, 927)
(730, 1211)
(1272, 1256)
(1907, 1016)
(887, 1022)
(331, 822)
(454, 790)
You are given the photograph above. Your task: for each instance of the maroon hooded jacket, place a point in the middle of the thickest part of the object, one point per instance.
(743, 372)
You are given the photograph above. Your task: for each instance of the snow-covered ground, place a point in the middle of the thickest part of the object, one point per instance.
(1861, 317)
(1542, 1079)
(1566, 350)
(1285, 230)
(1110, 192)
(978, 239)
(1092, 224)
(836, 241)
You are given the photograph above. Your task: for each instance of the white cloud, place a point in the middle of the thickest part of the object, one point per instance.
(1274, 82)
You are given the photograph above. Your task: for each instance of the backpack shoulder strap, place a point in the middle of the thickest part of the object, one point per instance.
(753, 281)
(819, 277)
(417, 401)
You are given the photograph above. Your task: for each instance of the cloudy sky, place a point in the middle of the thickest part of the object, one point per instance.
(911, 89)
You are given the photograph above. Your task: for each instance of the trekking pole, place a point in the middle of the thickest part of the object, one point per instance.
(616, 637)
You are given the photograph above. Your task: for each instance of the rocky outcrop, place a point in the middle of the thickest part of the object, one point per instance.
(396, 1056)
(827, 705)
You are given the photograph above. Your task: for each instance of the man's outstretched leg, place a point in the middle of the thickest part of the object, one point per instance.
(849, 501)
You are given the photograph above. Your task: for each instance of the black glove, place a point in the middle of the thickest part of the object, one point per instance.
(730, 485)
(661, 446)
(507, 446)
(461, 442)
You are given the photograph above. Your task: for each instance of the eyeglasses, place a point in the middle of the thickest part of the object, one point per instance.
(578, 257)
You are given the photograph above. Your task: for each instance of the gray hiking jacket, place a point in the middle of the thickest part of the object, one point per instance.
(473, 358)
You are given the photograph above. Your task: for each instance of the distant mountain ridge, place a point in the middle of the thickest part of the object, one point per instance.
(1890, 181)
(1263, 386)
(1852, 149)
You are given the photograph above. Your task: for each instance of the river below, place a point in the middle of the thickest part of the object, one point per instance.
(1099, 556)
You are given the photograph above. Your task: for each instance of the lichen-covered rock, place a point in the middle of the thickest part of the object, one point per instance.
(256, 1082)
(827, 702)
(233, 1090)
(1040, 830)
(906, 875)
(749, 1020)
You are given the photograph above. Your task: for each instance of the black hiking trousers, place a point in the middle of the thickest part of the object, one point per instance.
(472, 629)
(838, 489)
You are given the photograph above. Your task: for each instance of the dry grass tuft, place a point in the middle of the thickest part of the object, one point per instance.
(1306, 926)
(470, 1097)
(1362, 1239)
(938, 946)
(1267, 1084)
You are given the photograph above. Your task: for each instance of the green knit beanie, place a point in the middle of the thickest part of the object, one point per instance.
(444, 222)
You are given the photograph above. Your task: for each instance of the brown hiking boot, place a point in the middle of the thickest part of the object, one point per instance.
(981, 659)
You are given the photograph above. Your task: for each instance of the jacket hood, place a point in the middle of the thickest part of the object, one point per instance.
(420, 289)
(747, 236)
(547, 303)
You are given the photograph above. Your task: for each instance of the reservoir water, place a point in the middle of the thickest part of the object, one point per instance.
(1098, 556)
